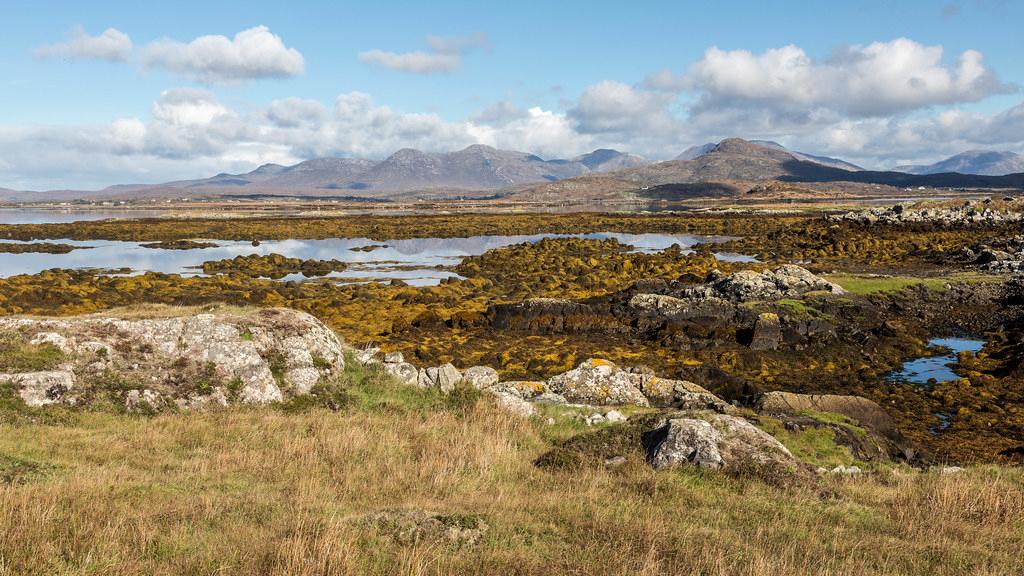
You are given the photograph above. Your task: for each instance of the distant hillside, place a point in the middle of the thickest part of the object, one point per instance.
(698, 151)
(480, 169)
(982, 162)
(735, 164)
(606, 160)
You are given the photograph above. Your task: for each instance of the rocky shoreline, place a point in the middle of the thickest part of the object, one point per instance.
(214, 360)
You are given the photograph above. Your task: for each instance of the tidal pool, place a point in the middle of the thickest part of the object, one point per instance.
(415, 261)
(923, 370)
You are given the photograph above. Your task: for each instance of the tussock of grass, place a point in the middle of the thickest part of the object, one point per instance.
(816, 446)
(264, 491)
(864, 285)
(17, 355)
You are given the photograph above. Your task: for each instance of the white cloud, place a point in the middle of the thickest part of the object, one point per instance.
(252, 54)
(878, 79)
(611, 106)
(112, 45)
(415, 62)
(498, 114)
(445, 55)
(295, 112)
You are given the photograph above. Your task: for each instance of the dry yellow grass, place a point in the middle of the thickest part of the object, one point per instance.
(262, 491)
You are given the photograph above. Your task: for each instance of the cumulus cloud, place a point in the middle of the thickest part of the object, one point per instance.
(295, 112)
(111, 45)
(499, 114)
(252, 54)
(874, 80)
(611, 106)
(445, 55)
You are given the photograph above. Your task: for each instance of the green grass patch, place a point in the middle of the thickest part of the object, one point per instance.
(370, 388)
(15, 470)
(863, 285)
(837, 419)
(17, 355)
(816, 446)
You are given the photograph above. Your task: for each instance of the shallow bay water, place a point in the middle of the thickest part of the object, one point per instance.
(414, 260)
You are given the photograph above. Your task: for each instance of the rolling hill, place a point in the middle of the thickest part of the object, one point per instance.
(981, 162)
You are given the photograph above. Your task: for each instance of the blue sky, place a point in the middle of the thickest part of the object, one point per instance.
(858, 79)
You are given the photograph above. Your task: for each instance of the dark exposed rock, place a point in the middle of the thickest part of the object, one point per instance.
(767, 332)
(551, 316)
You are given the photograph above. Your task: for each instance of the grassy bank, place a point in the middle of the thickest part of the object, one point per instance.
(283, 491)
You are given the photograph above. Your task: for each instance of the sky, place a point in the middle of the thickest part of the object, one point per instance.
(101, 93)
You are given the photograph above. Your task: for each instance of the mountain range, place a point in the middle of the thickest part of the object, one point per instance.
(475, 168)
(482, 171)
(732, 166)
(984, 162)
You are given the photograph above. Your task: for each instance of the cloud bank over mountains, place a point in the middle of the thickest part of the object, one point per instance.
(877, 104)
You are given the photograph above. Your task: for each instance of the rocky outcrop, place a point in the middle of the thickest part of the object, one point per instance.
(968, 213)
(41, 388)
(247, 356)
(717, 441)
(1003, 256)
(746, 285)
(866, 412)
(872, 436)
(767, 332)
(598, 381)
(444, 377)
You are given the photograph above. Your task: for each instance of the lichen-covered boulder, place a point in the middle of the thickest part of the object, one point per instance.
(513, 403)
(41, 388)
(444, 377)
(717, 441)
(598, 381)
(681, 394)
(252, 356)
(404, 372)
(787, 281)
(480, 377)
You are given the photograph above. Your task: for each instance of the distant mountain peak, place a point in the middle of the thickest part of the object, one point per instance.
(737, 146)
(479, 148)
(981, 162)
(740, 146)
